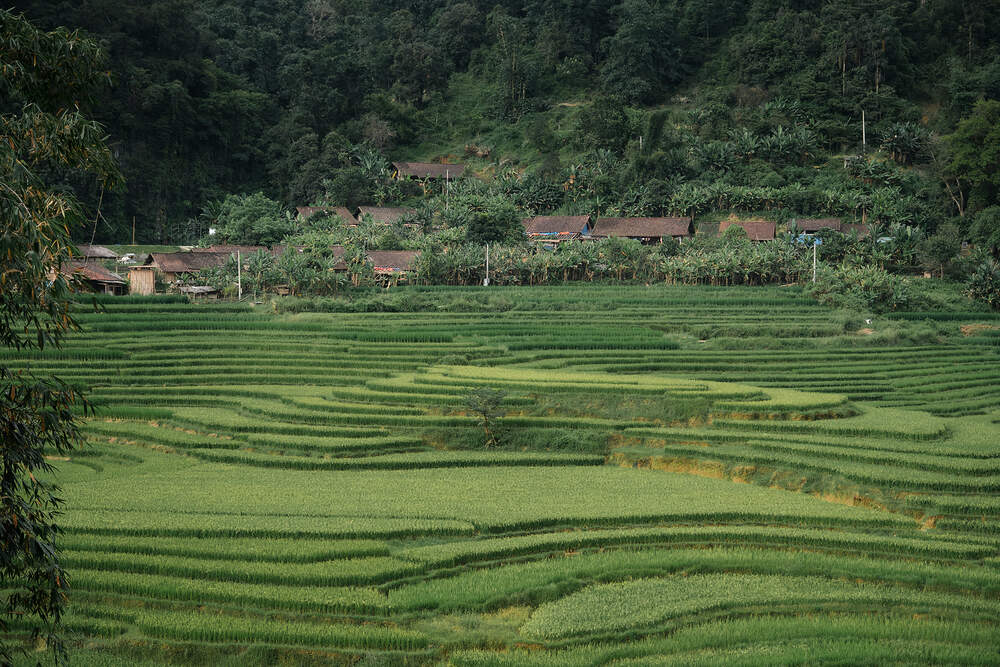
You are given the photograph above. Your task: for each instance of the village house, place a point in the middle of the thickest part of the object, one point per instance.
(247, 250)
(813, 225)
(757, 230)
(385, 215)
(342, 212)
(338, 252)
(649, 231)
(88, 252)
(393, 266)
(232, 249)
(552, 230)
(95, 277)
(427, 170)
(177, 265)
(861, 230)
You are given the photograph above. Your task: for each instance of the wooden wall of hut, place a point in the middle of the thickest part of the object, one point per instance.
(141, 281)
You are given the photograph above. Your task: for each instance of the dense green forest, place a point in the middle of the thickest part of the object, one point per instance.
(638, 107)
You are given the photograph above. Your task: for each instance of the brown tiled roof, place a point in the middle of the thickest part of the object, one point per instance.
(338, 254)
(393, 260)
(216, 255)
(91, 271)
(232, 249)
(641, 227)
(306, 212)
(429, 170)
(188, 262)
(861, 230)
(757, 230)
(94, 252)
(558, 226)
(816, 224)
(385, 214)
(309, 211)
(279, 250)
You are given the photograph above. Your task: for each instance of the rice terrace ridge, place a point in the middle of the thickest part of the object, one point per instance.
(310, 487)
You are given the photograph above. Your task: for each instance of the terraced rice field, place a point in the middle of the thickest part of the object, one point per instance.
(691, 475)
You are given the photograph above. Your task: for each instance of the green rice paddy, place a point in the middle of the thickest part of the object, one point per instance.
(687, 475)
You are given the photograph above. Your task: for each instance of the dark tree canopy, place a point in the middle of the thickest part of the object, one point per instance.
(47, 76)
(975, 149)
(228, 97)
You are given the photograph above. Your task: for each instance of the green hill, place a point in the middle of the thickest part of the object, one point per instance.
(640, 99)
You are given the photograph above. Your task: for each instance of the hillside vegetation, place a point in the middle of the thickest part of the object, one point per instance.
(598, 106)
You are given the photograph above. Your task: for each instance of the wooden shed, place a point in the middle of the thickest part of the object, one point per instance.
(142, 280)
(199, 292)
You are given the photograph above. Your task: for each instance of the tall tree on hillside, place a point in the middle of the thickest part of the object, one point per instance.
(419, 66)
(975, 154)
(45, 77)
(865, 48)
(642, 58)
(457, 30)
(512, 63)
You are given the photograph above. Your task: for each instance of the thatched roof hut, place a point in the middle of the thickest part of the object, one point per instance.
(87, 251)
(173, 265)
(385, 214)
(812, 225)
(647, 230)
(428, 170)
(556, 228)
(98, 278)
(306, 212)
(757, 230)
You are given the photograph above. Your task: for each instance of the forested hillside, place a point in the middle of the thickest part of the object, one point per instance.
(639, 107)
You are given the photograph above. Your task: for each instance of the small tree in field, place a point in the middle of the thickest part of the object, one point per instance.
(486, 403)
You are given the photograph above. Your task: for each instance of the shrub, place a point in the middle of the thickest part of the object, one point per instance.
(985, 230)
(861, 288)
(984, 285)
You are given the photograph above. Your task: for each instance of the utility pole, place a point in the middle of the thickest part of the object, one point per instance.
(239, 276)
(486, 280)
(864, 137)
(814, 259)
(447, 188)
(133, 230)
